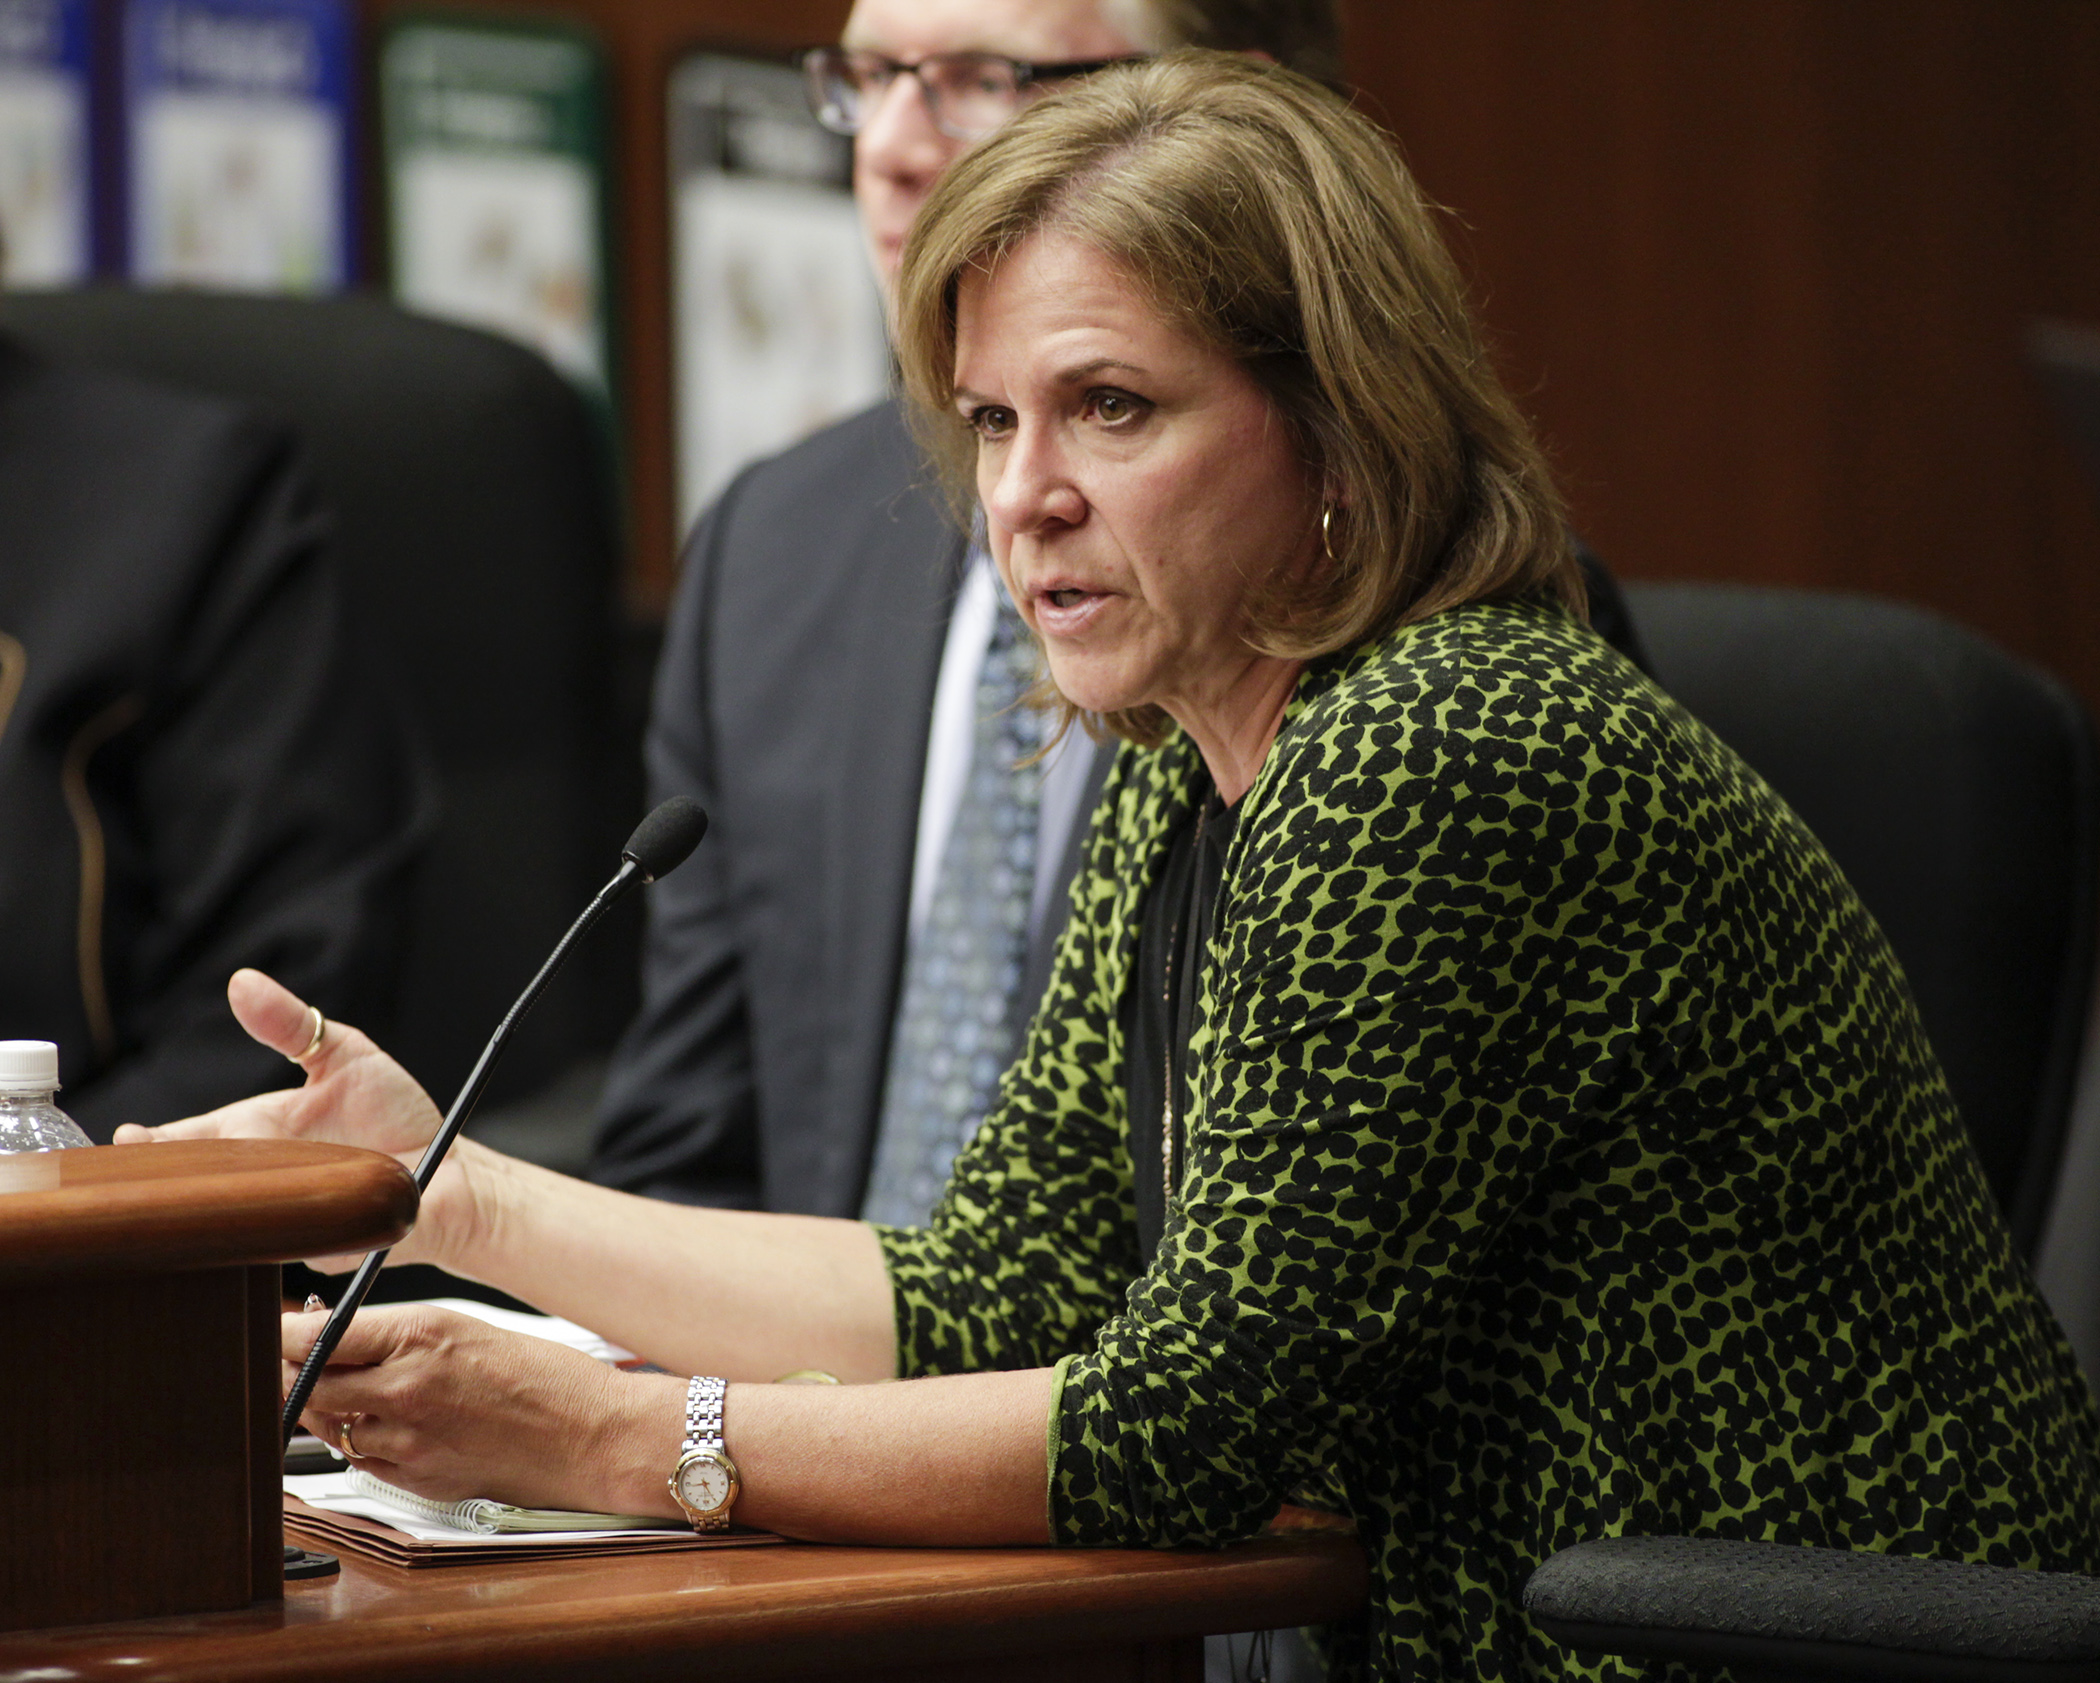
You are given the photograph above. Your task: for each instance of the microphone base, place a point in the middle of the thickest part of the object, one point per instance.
(305, 1563)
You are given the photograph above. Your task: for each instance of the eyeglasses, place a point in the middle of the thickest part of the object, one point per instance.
(968, 95)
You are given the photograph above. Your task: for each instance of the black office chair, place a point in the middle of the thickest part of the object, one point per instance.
(1775, 1614)
(471, 500)
(2066, 357)
(1955, 786)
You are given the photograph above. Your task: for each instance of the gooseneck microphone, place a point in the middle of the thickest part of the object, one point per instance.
(658, 846)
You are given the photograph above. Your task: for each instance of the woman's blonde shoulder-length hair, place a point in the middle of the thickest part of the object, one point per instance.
(1260, 214)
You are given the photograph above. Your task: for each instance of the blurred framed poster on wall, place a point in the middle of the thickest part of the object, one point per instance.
(236, 120)
(44, 182)
(778, 322)
(495, 171)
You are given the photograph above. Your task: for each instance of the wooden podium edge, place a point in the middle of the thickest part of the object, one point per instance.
(201, 1204)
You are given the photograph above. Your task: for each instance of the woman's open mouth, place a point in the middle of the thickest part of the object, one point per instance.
(1066, 609)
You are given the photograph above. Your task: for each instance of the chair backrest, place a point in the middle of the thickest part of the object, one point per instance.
(1955, 787)
(2067, 357)
(470, 495)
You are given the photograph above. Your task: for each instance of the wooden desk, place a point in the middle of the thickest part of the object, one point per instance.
(144, 1269)
(140, 1462)
(794, 1611)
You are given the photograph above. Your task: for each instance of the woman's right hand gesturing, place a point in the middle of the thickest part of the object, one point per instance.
(354, 1095)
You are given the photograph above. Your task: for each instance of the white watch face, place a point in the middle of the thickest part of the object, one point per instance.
(704, 1483)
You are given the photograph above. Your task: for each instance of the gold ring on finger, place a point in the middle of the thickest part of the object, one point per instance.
(313, 1041)
(345, 1437)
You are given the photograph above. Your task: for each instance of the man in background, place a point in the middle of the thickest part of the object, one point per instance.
(837, 689)
(834, 984)
(197, 769)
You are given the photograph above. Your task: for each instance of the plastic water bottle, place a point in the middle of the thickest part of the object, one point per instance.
(30, 1120)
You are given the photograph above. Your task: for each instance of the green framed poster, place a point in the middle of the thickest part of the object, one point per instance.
(496, 184)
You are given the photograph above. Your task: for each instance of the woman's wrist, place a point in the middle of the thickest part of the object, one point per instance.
(470, 1213)
(638, 1439)
(957, 1460)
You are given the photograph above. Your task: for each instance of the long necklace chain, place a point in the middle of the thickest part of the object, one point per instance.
(1167, 1178)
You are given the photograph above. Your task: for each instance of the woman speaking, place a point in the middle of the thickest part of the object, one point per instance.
(1467, 1098)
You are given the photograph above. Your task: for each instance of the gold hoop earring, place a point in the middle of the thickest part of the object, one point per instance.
(1327, 531)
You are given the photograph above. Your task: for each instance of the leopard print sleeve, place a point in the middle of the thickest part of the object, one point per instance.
(1565, 1159)
(1406, 1018)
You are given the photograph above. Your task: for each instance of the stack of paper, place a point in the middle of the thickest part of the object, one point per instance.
(350, 1511)
(550, 1327)
(329, 1511)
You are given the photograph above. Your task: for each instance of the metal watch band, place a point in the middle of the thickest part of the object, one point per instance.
(703, 1414)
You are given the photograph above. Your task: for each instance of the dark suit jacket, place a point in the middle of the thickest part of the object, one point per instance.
(196, 772)
(793, 699)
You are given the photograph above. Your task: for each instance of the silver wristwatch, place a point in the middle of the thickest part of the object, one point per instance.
(704, 1482)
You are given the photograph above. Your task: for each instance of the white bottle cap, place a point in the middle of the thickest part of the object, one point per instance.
(28, 1066)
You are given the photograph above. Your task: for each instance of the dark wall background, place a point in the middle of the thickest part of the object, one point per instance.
(1761, 271)
(1759, 268)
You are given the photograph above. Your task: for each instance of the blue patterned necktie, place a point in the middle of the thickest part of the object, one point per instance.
(956, 1031)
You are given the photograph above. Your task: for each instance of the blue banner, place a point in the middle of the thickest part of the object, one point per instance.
(238, 145)
(46, 214)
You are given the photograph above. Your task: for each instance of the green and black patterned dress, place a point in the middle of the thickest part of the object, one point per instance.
(1564, 1160)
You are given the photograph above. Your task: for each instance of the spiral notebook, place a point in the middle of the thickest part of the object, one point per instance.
(349, 1511)
(354, 1513)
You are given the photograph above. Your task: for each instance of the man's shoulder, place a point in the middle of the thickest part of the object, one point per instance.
(876, 432)
(144, 522)
(864, 463)
(853, 502)
(91, 416)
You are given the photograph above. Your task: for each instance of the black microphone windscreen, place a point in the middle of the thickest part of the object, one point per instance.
(661, 841)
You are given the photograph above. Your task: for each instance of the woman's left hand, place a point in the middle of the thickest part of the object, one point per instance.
(450, 1408)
